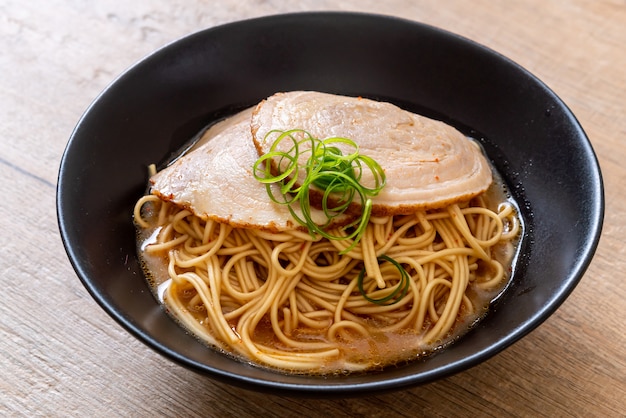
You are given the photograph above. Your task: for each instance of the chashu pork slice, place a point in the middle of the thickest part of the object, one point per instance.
(428, 164)
(215, 181)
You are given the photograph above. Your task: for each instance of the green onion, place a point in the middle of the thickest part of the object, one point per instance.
(327, 168)
(398, 292)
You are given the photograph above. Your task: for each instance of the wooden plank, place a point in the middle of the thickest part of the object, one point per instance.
(61, 355)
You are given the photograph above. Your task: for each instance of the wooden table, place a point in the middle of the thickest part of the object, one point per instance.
(61, 355)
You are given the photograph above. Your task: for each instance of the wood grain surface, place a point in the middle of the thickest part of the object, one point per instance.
(61, 355)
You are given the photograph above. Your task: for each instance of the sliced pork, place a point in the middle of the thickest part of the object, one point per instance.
(428, 163)
(215, 181)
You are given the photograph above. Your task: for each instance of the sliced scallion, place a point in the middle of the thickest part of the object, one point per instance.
(326, 168)
(399, 291)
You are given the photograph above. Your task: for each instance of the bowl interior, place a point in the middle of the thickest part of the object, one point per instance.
(153, 108)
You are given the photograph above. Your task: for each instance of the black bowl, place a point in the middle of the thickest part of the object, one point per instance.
(152, 109)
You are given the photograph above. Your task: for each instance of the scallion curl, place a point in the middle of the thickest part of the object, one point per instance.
(327, 168)
(400, 290)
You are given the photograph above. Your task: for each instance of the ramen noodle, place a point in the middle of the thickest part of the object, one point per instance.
(243, 273)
